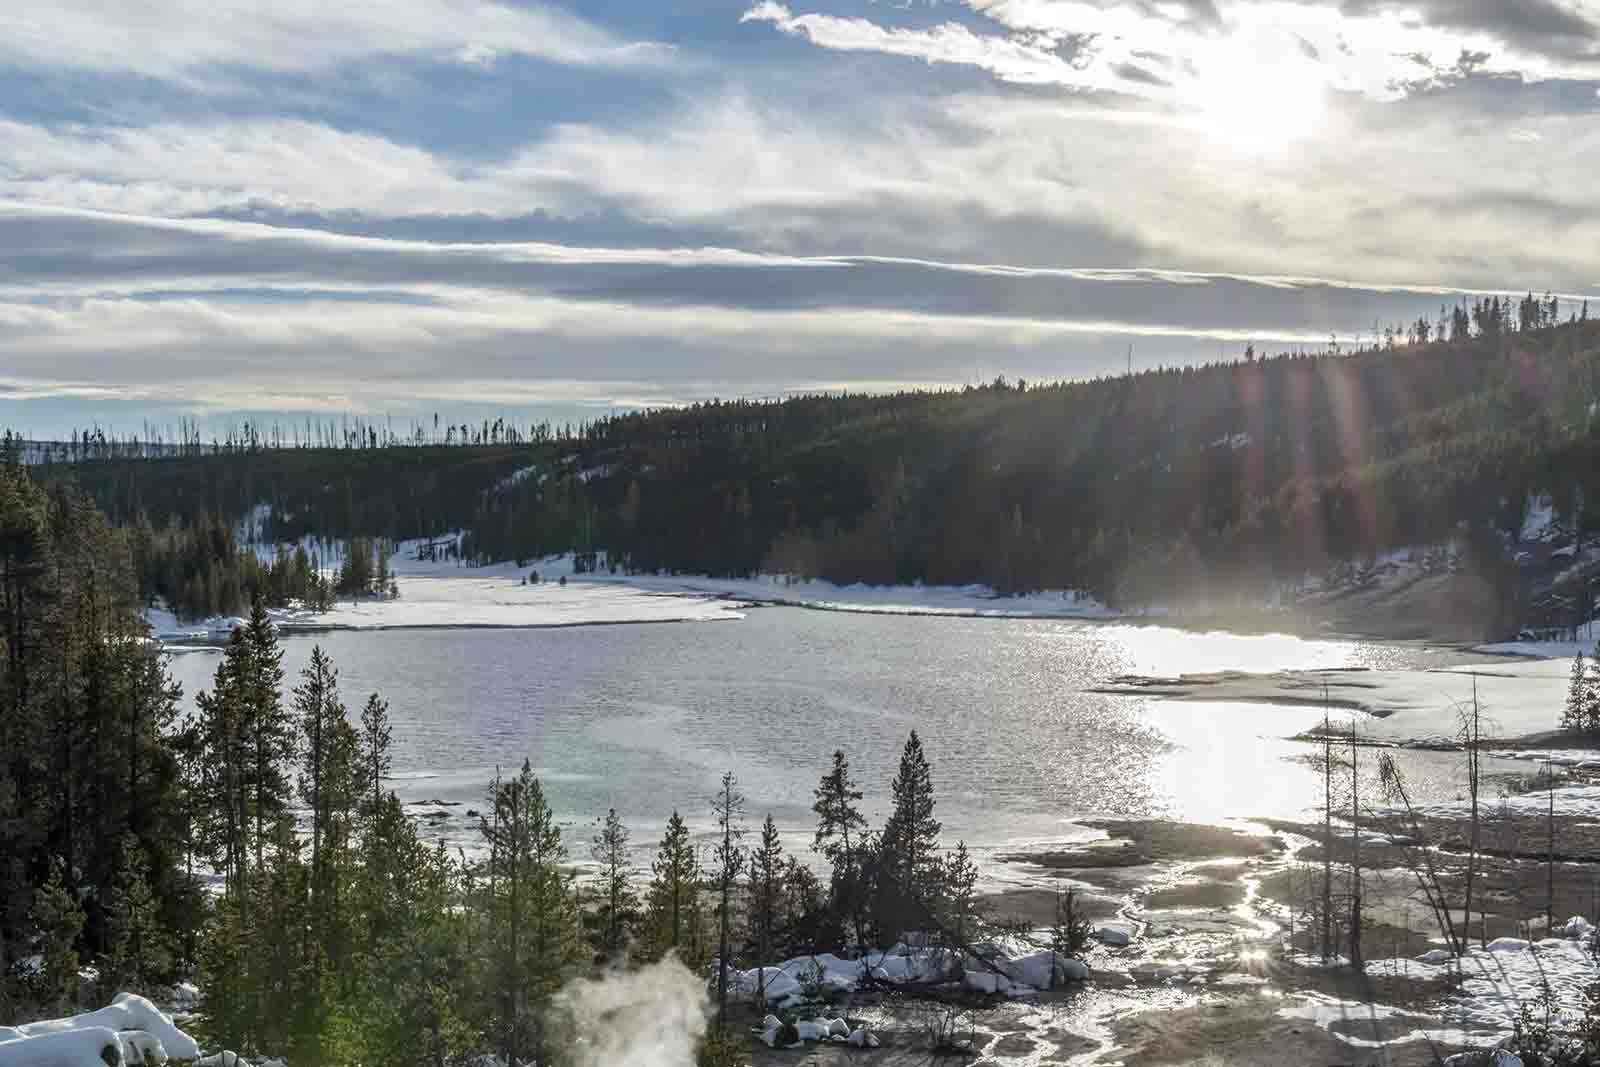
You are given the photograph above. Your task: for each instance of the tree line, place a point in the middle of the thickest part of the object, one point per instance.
(1213, 482)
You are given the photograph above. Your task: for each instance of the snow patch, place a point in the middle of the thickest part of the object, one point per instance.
(130, 1030)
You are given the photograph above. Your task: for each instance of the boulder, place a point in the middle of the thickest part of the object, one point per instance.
(1035, 969)
(811, 1029)
(1113, 935)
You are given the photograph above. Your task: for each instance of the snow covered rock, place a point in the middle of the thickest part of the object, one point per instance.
(141, 1034)
(811, 1029)
(1113, 935)
(1508, 944)
(1577, 928)
(986, 982)
(1036, 969)
(1498, 1058)
(1435, 957)
(86, 1046)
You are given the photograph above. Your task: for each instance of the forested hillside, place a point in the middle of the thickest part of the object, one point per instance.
(1152, 486)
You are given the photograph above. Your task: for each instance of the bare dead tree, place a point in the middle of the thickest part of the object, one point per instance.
(1419, 857)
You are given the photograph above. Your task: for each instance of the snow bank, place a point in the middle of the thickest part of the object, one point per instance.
(87, 1046)
(131, 1030)
(1517, 697)
(963, 600)
(1497, 980)
(1573, 800)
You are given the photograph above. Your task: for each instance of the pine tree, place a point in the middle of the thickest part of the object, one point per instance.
(58, 918)
(223, 830)
(674, 895)
(532, 915)
(1070, 932)
(609, 848)
(375, 759)
(958, 894)
(1591, 702)
(330, 786)
(729, 854)
(265, 723)
(139, 949)
(1576, 715)
(838, 813)
(766, 899)
(910, 836)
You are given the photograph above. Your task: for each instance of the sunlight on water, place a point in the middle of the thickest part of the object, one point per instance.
(1167, 652)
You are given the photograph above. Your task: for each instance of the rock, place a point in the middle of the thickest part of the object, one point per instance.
(1508, 944)
(811, 1030)
(771, 1022)
(1113, 935)
(857, 1039)
(1435, 956)
(838, 1028)
(986, 982)
(1035, 969)
(1577, 928)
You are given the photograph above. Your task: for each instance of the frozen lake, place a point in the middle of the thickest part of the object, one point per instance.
(646, 718)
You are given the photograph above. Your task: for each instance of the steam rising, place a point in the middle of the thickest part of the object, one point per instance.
(654, 1017)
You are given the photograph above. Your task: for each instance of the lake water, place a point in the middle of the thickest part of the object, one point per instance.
(646, 718)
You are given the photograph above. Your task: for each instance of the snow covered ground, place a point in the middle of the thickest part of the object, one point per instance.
(1516, 698)
(446, 594)
(966, 600)
(437, 593)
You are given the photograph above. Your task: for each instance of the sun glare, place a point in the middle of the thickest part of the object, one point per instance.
(1258, 94)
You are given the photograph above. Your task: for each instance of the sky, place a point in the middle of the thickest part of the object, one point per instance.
(223, 209)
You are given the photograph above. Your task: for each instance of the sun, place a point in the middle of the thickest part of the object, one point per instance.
(1258, 94)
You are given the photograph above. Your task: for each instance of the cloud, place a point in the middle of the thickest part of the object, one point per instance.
(1009, 59)
(1174, 53)
(193, 41)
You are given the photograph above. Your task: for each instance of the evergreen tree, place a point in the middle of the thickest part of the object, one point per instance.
(673, 899)
(267, 728)
(223, 830)
(405, 1002)
(139, 949)
(1576, 715)
(609, 848)
(532, 917)
(910, 837)
(375, 759)
(58, 917)
(331, 786)
(729, 854)
(766, 899)
(838, 814)
(958, 896)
